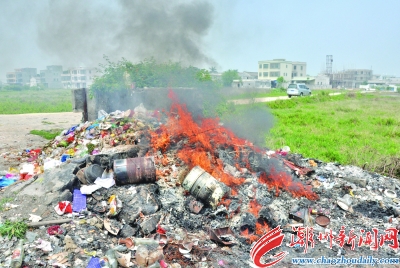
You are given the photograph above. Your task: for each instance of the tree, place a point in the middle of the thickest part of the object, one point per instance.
(213, 69)
(280, 80)
(123, 74)
(203, 75)
(228, 77)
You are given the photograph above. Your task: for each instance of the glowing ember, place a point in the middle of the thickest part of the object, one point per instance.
(250, 238)
(254, 207)
(261, 227)
(225, 202)
(165, 160)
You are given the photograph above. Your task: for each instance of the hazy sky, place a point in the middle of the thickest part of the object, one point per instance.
(227, 34)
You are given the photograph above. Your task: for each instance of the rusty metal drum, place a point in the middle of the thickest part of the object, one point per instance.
(135, 170)
(205, 187)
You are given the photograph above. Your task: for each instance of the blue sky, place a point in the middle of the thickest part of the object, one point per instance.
(359, 34)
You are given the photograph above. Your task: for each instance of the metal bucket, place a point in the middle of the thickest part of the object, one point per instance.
(135, 170)
(204, 186)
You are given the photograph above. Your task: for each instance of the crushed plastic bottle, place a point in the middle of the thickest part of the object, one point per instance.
(18, 255)
(110, 260)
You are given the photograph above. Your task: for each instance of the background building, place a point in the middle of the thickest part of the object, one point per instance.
(21, 76)
(11, 78)
(351, 78)
(51, 77)
(78, 77)
(322, 81)
(248, 75)
(289, 70)
(249, 80)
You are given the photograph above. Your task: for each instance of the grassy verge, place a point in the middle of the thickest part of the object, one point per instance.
(277, 93)
(35, 101)
(357, 129)
(47, 134)
(11, 229)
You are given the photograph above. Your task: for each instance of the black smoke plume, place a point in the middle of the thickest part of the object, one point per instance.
(76, 32)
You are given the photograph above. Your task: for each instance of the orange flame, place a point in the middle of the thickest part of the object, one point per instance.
(200, 143)
(283, 180)
(202, 139)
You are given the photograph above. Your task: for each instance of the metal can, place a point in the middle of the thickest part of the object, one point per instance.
(135, 170)
(204, 186)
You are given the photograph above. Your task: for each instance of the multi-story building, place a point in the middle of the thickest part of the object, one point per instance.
(78, 77)
(289, 70)
(51, 77)
(21, 76)
(11, 78)
(351, 78)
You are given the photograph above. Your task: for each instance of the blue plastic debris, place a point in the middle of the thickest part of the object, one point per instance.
(79, 201)
(92, 126)
(72, 129)
(64, 158)
(94, 263)
(4, 181)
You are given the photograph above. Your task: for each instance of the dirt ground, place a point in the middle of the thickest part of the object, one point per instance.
(15, 136)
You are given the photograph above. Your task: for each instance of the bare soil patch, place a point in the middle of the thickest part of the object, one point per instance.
(15, 136)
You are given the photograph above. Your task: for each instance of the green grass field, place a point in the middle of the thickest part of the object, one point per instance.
(35, 101)
(357, 129)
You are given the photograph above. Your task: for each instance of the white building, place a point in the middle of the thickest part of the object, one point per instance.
(78, 77)
(322, 81)
(289, 70)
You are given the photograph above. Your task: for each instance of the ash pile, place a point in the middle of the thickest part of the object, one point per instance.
(146, 188)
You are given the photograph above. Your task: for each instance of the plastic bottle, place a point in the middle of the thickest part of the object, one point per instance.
(110, 260)
(18, 255)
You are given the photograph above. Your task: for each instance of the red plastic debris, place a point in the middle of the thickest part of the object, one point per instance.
(160, 230)
(63, 207)
(163, 264)
(24, 176)
(55, 230)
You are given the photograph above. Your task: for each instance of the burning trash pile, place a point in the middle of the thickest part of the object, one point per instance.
(159, 189)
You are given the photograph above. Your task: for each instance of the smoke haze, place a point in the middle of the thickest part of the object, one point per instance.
(75, 32)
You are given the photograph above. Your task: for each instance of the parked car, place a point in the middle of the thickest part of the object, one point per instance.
(298, 90)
